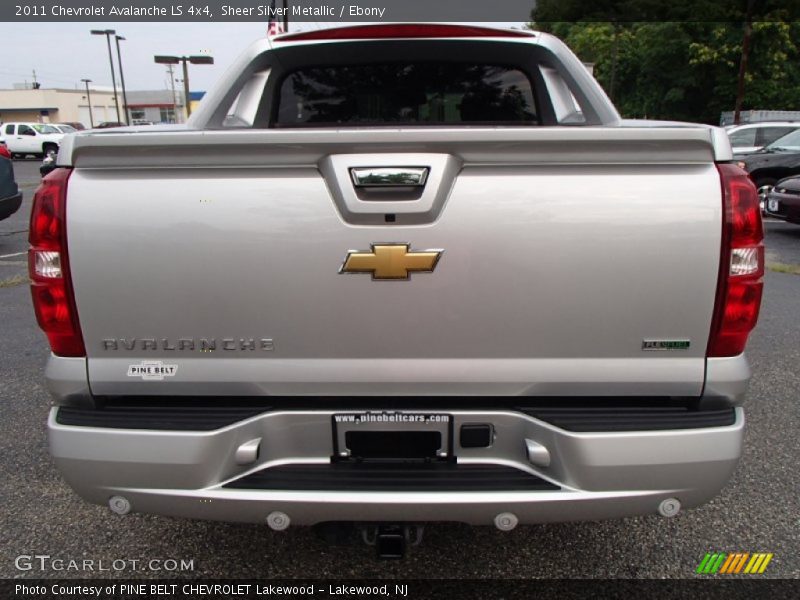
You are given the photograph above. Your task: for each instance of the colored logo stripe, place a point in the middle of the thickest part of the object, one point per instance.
(735, 562)
(758, 564)
(711, 563)
(723, 563)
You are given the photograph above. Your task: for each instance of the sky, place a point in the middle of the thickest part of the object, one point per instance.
(64, 53)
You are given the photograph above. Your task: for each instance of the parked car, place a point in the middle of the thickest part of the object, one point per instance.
(64, 127)
(10, 196)
(746, 139)
(76, 124)
(30, 138)
(109, 124)
(778, 160)
(48, 164)
(783, 202)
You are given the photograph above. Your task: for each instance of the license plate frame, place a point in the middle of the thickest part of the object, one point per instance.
(392, 421)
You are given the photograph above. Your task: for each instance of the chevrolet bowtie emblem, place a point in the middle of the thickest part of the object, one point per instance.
(390, 261)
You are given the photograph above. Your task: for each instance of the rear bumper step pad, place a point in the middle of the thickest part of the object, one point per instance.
(378, 477)
(581, 416)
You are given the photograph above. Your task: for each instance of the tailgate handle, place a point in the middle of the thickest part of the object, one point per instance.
(386, 177)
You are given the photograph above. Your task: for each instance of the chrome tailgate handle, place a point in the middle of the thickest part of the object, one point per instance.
(364, 177)
(412, 186)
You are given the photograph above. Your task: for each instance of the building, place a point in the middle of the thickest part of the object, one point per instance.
(194, 99)
(156, 106)
(64, 106)
(57, 106)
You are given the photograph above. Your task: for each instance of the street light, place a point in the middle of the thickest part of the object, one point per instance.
(108, 33)
(89, 100)
(119, 39)
(195, 60)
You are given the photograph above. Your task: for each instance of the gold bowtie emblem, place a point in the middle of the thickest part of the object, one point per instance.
(390, 261)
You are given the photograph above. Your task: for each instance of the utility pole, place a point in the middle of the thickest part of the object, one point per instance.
(35, 85)
(122, 81)
(108, 33)
(614, 60)
(172, 87)
(200, 59)
(89, 100)
(748, 32)
(285, 16)
(186, 102)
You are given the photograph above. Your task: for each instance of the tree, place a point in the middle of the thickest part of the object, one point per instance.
(678, 69)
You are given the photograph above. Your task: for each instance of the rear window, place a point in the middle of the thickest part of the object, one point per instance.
(404, 93)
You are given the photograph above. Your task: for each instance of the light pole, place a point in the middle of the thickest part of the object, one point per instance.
(89, 100)
(119, 39)
(174, 95)
(195, 60)
(108, 33)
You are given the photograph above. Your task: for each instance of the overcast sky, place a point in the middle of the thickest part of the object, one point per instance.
(64, 53)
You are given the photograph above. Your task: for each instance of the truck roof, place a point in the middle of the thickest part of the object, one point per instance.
(402, 30)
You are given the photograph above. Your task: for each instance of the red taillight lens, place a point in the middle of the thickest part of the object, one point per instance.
(740, 281)
(431, 30)
(742, 211)
(48, 266)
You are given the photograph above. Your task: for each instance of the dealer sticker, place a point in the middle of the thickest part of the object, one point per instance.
(152, 370)
(666, 344)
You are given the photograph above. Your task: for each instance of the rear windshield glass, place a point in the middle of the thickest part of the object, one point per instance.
(405, 93)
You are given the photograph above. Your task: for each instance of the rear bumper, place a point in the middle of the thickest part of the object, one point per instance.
(787, 209)
(10, 205)
(590, 475)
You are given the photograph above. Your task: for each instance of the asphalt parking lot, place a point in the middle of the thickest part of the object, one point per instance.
(759, 511)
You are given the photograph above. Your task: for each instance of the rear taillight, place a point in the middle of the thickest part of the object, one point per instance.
(400, 30)
(48, 266)
(741, 264)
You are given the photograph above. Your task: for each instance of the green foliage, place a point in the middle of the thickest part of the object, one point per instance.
(680, 70)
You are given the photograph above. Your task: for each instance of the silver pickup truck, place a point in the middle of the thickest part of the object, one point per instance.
(398, 274)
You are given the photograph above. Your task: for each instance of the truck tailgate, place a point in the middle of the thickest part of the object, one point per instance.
(563, 252)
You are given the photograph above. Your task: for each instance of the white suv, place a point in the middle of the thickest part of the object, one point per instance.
(30, 138)
(746, 139)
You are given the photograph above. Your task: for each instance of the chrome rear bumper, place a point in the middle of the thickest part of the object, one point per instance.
(595, 475)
